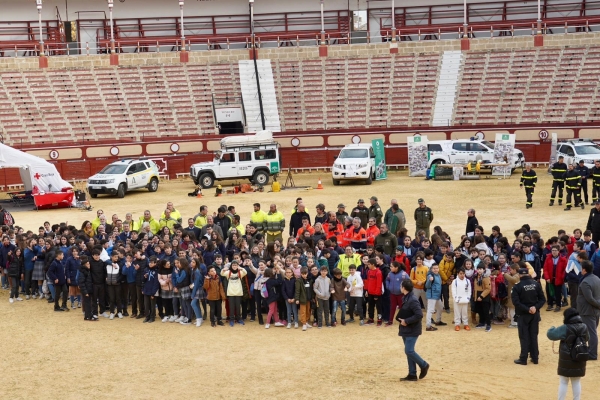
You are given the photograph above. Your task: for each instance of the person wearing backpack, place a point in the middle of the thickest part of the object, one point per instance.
(6, 218)
(433, 291)
(234, 277)
(572, 352)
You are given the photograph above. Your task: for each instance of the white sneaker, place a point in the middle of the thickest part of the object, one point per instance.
(73, 306)
(112, 316)
(172, 318)
(296, 325)
(105, 315)
(165, 319)
(267, 326)
(304, 327)
(27, 297)
(42, 296)
(198, 322)
(179, 319)
(279, 324)
(19, 299)
(308, 325)
(78, 304)
(288, 326)
(11, 300)
(120, 315)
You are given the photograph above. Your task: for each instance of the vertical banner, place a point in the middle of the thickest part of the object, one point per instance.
(503, 153)
(553, 151)
(380, 167)
(418, 156)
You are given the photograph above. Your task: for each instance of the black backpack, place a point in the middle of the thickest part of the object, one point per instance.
(580, 350)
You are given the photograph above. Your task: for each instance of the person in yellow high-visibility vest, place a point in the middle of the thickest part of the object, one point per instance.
(175, 214)
(274, 224)
(347, 259)
(258, 217)
(154, 224)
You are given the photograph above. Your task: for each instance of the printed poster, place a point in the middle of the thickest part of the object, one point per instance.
(503, 153)
(418, 156)
(380, 167)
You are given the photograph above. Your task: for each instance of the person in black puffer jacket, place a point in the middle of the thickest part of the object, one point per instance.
(569, 369)
(15, 272)
(86, 286)
(410, 316)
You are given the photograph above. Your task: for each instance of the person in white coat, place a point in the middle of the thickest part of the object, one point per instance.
(356, 294)
(461, 293)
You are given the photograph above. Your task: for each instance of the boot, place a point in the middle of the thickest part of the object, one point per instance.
(551, 203)
(582, 206)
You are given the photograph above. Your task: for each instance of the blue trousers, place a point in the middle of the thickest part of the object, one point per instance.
(342, 305)
(411, 355)
(196, 308)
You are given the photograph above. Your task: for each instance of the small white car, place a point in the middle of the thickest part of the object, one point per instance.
(253, 157)
(355, 162)
(123, 176)
(579, 149)
(464, 150)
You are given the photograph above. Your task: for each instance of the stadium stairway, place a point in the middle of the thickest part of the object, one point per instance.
(250, 95)
(446, 89)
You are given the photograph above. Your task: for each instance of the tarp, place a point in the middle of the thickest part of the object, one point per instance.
(37, 174)
(260, 138)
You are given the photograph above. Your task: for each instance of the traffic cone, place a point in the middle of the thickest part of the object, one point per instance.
(319, 184)
(199, 195)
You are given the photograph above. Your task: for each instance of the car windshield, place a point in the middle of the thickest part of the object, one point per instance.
(113, 169)
(354, 153)
(488, 144)
(588, 149)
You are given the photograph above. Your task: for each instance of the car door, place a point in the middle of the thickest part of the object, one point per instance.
(133, 180)
(228, 165)
(569, 154)
(244, 167)
(480, 152)
(459, 153)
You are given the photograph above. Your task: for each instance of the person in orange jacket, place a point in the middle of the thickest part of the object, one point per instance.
(372, 232)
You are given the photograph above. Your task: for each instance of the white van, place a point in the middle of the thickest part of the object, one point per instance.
(123, 176)
(255, 157)
(464, 150)
(355, 162)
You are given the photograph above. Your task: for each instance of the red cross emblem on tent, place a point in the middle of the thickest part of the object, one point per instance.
(37, 176)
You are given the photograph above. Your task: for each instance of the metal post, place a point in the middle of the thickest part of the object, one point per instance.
(393, 21)
(39, 9)
(539, 20)
(112, 33)
(322, 23)
(182, 31)
(465, 23)
(260, 102)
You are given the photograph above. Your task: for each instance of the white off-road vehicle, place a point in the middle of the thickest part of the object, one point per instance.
(575, 150)
(464, 151)
(355, 162)
(123, 176)
(253, 157)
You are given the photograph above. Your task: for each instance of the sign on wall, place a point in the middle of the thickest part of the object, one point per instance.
(229, 114)
(418, 156)
(503, 153)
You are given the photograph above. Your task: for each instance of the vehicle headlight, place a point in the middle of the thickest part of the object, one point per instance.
(362, 165)
(108, 181)
(337, 165)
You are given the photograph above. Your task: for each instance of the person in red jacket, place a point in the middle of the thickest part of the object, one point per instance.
(373, 286)
(555, 269)
(372, 232)
(402, 258)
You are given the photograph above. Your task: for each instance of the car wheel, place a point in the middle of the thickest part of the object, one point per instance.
(121, 191)
(206, 181)
(369, 180)
(261, 178)
(439, 162)
(336, 182)
(93, 195)
(153, 186)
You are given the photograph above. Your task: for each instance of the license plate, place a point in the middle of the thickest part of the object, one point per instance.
(350, 174)
(94, 187)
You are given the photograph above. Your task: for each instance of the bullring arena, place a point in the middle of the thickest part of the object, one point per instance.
(81, 101)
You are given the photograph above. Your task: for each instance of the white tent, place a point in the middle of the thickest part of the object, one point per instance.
(35, 171)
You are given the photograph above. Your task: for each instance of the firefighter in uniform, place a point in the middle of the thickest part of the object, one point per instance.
(573, 183)
(559, 169)
(528, 298)
(584, 172)
(528, 181)
(595, 175)
(274, 225)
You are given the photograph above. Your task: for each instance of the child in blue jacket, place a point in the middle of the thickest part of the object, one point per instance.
(150, 289)
(433, 291)
(72, 266)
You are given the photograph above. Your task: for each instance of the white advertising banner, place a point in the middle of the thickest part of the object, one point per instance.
(553, 151)
(503, 153)
(418, 156)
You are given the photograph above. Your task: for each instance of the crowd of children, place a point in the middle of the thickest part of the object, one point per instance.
(318, 278)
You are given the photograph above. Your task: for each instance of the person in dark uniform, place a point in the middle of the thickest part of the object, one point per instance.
(559, 169)
(528, 181)
(362, 212)
(584, 172)
(528, 298)
(593, 223)
(595, 175)
(573, 184)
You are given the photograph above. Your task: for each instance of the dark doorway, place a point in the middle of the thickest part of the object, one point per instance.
(226, 128)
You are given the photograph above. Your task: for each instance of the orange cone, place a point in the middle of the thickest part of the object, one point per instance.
(319, 184)
(199, 195)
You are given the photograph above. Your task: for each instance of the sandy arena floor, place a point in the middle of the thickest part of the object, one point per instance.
(51, 356)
